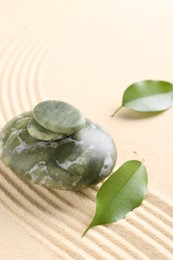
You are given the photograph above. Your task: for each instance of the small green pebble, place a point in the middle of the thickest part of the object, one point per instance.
(40, 133)
(59, 117)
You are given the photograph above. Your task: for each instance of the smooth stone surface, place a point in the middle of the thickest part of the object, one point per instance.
(79, 161)
(59, 117)
(40, 133)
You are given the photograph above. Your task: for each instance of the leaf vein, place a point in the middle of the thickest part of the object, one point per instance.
(118, 195)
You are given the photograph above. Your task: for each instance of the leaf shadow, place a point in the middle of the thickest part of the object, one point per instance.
(128, 114)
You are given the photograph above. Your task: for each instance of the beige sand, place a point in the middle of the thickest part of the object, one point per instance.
(86, 53)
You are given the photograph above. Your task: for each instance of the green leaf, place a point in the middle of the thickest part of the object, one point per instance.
(148, 96)
(123, 191)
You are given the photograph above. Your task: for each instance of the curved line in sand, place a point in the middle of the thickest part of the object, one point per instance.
(6, 97)
(106, 235)
(16, 190)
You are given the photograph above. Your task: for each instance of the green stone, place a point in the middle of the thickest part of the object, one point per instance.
(40, 133)
(79, 161)
(59, 117)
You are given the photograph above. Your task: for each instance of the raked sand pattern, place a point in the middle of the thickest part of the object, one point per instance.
(57, 222)
(57, 219)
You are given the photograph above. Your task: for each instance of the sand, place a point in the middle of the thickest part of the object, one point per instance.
(86, 53)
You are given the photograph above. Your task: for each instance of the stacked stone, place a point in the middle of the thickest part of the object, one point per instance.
(57, 147)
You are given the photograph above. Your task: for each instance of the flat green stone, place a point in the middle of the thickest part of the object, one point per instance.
(79, 161)
(59, 117)
(40, 133)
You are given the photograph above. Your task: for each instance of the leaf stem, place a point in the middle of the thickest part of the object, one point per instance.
(89, 227)
(86, 230)
(116, 111)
